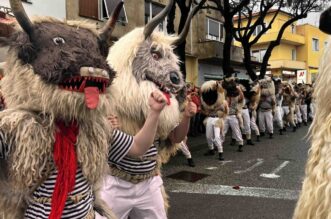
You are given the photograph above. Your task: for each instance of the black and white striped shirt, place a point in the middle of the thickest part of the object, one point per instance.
(142, 165)
(121, 143)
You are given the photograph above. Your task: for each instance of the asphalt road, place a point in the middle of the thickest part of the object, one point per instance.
(264, 181)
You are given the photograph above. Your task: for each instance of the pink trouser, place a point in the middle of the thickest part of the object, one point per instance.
(143, 200)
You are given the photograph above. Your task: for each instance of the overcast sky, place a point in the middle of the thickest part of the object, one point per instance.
(313, 18)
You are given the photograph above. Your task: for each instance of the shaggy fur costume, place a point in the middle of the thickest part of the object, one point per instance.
(231, 87)
(137, 73)
(213, 101)
(29, 126)
(268, 89)
(314, 201)
(289, 98)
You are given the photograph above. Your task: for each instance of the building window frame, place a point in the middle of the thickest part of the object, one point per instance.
(210, 36)
(162, 27)
(294, 54)
(260, 53)
(27, 1)
(100, 10)
(315, 44)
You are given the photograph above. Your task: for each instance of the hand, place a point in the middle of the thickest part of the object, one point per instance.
(114, 121)
(157, 101)
(191, 108)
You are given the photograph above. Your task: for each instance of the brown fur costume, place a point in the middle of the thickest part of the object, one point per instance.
(213, 101)
(36, 99)
(289, 98)
(231, 87)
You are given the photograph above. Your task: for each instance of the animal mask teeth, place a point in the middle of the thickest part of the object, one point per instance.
(79, 83)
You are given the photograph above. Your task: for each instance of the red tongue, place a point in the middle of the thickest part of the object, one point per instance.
(91, 97)
(167, 95)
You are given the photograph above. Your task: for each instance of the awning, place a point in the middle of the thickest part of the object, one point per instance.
(313, 71)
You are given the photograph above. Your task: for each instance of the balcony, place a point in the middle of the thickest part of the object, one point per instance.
(213, 51)
(287, 64)
(288, 37)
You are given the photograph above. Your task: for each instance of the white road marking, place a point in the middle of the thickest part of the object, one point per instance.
(225, 162)
(284, 194)
(258, 163)
(210, 168)
(273, 174)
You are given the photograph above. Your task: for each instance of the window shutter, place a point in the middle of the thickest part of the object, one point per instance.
(89, 8)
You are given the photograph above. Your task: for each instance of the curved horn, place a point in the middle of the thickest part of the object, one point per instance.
(152, 24)
(325, 21)
(21, 17)
(110, 25)
(181, 38)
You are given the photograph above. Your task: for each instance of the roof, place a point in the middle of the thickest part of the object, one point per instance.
(269, 12)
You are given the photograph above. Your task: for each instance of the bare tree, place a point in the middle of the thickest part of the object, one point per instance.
(228, 9)
(299, 9)
(246, 34)
(185, 7)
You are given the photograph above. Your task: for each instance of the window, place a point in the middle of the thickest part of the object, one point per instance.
(293, 28)
(294, 54)
(214, 30)
(259, 54)
(151, 10)
(100, 9)
(315, 44)
(258, 29)
(325, 44)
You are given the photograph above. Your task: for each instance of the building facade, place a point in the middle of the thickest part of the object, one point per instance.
(204, 43)
(298, 55)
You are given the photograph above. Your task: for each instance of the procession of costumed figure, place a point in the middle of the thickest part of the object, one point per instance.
(314, 201)
(54, 132)
(267, 106)
(144, 60)
(214, 106)
(235, 99)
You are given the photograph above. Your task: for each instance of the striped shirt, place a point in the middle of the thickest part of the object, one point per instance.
(73, 209)
(133, 166)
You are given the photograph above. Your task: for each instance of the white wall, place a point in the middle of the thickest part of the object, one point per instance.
(53, 8)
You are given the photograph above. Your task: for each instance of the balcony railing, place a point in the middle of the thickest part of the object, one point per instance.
(214, 50)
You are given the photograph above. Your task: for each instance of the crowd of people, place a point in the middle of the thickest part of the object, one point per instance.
(260, 107)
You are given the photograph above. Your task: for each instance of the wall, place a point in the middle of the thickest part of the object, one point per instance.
(53, 8)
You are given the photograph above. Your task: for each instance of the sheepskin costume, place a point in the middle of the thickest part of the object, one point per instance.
(231, 87)
(55, 87)
(213, 101)
(289, 99)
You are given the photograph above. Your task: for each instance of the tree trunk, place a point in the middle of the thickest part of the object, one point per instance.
(226, 64)
(170, 20)
(248, 61)
(180, 50)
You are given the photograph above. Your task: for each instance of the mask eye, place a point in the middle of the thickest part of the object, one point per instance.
(156, 55)
(58, 40)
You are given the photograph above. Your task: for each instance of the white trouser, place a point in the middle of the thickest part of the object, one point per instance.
(303, 109)
(213, 135)
(288, 116)
(247, 123)
(298, 114)
(312, 110)
(278, 117)
(143, 200)
(266, 118)
(254, 126)
(185, 150)
(231, 121)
